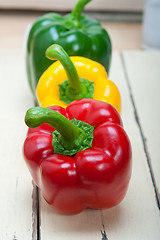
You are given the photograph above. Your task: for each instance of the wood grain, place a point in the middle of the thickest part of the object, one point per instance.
(145, 87)
(15, 181)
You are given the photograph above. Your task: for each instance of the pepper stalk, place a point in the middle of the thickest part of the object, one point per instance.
(71, 136)
(75, 87)
(77, 11)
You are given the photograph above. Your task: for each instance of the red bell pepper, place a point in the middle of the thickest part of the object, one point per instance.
(81, 166)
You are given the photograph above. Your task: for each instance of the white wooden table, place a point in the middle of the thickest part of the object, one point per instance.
(24, 215)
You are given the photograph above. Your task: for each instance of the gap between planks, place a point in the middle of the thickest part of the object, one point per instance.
(148, 158)
(36, 221)
(36, 206)
(103, 231)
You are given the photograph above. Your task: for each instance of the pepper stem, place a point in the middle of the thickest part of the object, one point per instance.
(75, 90)
(70, 135)
(77, 10)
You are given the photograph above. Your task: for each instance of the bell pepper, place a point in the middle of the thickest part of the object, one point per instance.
(85, 162)
(78, 34)
(73, 78)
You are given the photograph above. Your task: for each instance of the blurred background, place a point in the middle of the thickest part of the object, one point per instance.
(131, 24)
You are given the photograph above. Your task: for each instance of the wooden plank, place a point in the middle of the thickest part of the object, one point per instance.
(137, 217)
(85, 225)
(124, 36)
(144, 78)
(18, 215)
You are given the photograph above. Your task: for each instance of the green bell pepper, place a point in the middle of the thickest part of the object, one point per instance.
(79, 35)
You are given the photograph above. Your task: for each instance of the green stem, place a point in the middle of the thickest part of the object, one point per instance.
(70, 135)
(56, 52)
(76, 12)
(75, 90)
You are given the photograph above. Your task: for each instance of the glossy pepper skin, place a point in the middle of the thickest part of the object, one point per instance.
(97, 177)
(75, 70)
(79, 35)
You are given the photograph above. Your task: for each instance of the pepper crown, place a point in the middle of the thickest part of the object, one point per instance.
(69, 138)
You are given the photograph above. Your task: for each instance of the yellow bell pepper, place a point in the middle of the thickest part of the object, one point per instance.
(52, 87)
